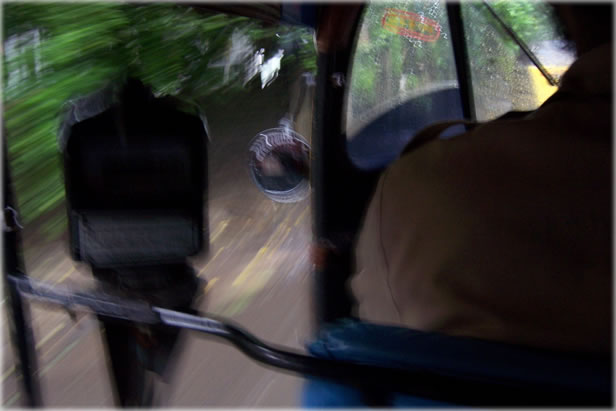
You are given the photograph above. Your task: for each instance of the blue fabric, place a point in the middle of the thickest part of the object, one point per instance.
(319, 393)
(406, 401)
(464, 357)
(382, 140)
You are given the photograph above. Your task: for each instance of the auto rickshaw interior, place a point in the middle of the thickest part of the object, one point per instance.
(133, 174)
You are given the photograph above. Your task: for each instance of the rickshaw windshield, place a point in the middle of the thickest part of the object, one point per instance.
(404, 75)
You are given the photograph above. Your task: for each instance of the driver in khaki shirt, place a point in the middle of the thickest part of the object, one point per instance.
(505, 232)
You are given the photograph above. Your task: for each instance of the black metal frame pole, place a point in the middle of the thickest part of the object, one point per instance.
(338, 187)
(463, 67)
(331, 296)
(18, 313)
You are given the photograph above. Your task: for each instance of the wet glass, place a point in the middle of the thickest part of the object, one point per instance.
(503, 77)
(403, 78)
(279, 162)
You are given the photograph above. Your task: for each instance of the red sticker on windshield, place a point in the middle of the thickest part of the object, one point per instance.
(410, 25)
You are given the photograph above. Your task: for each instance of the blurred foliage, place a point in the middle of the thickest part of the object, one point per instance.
(501, 81)
(533, 21)
(55, 52)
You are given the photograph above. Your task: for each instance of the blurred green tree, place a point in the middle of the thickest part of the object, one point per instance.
(55, 52)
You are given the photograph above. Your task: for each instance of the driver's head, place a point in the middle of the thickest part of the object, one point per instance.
(586, 25)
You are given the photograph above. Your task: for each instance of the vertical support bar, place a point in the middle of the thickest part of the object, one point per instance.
(334, 180)
(328, 174)
(18, 313)
(463, 67)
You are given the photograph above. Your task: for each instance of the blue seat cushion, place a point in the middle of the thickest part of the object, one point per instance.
(319, 393)
(467, 358)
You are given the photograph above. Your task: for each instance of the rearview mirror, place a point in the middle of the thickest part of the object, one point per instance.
(279, 163)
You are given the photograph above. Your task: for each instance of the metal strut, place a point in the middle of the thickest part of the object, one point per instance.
(18, 314)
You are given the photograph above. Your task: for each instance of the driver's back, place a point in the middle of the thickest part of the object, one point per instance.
(502, 233)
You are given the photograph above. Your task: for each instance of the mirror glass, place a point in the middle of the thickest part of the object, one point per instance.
(279, 164)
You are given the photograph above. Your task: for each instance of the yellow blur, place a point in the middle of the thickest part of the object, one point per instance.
(542, 89)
